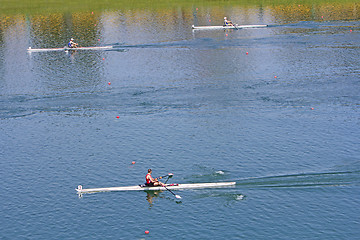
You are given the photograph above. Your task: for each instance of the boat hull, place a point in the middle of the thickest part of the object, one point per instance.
(157, 188)
(68, 49)
(226, 27)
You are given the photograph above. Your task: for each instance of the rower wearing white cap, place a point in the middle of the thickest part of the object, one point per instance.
(227, 22)
(72, 44)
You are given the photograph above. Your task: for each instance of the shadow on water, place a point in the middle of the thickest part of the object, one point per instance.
(152, 196)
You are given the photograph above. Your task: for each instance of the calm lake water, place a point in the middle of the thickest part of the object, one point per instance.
(275, 109)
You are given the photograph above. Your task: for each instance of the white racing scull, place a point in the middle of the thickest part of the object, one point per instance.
(226, 27)
(68, 49)
(157, 188)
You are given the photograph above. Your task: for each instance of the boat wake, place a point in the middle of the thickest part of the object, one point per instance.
(302, 180)
(207, 175)
(219, 193)
(198, 43)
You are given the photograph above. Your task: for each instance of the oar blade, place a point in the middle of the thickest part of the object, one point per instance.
(177, 196)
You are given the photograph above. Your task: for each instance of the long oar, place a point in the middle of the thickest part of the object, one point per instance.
(170, 175)
(177, 196)
(234, 25)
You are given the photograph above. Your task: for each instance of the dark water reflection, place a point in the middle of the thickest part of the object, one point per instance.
(52, 27)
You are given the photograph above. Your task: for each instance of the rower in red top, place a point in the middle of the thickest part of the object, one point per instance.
(152, 182)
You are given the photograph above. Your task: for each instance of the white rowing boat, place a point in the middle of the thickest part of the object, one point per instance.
(226, 27)
(157, 188)
(68, 49)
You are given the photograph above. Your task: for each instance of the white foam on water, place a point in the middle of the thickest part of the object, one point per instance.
(240, 197)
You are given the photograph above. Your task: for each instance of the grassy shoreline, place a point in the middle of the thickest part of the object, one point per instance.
(51, 6)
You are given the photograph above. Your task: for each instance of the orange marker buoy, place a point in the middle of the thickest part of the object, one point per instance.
(103, 58)
(133, 162)
(312, 108)
(109, 83)
(146, 232)
(247, 53)
(275, 76)
(118, 117)
(209, 20)
(350, 30)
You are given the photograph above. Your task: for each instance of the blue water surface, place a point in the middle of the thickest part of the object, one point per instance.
(275, 109)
